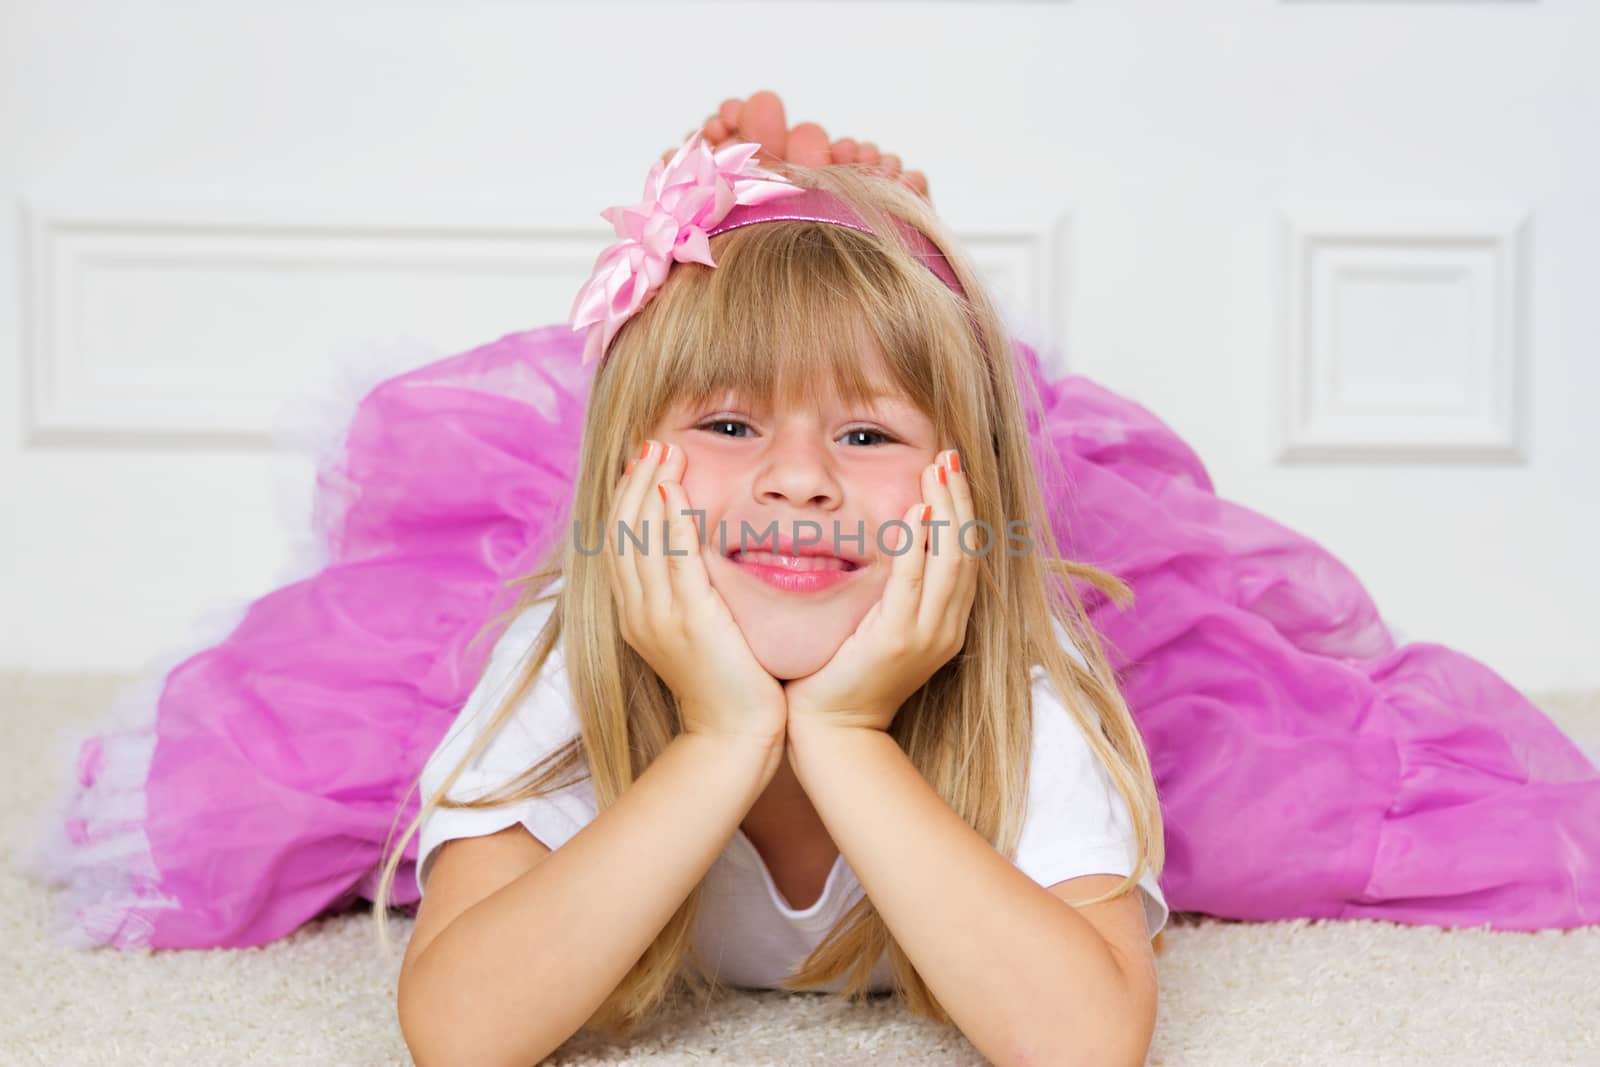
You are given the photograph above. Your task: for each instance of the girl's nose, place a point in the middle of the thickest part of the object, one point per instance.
(797, 468)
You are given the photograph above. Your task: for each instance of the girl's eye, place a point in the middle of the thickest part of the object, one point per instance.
(870, 433)
(715, 426)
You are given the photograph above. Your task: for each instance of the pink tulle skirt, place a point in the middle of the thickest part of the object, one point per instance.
(1307, 767)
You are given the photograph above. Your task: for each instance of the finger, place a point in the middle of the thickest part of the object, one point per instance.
(972, 545)
(685, 568)
(632, 541)
(651, 560)
(944, 554)
(939, 572)
(903, 592)
(616, 546)
(682, 548)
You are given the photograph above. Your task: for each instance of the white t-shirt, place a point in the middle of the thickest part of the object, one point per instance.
(1076, 822)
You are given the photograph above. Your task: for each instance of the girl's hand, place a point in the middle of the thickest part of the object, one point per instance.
(671, 615)
(914, 629)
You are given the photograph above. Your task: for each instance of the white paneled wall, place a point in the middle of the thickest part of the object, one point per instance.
(1346, 250)
(1404, 336)
(153, 326)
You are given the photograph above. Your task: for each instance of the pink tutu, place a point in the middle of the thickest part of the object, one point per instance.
(1306, 765)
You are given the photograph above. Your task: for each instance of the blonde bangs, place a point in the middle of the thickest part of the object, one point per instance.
(785, 317)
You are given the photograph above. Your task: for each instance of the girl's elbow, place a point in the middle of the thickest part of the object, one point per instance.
(438, 1038)
(431, 1036)
(1129, 1048)
(1137, 1051)
(417, 1026)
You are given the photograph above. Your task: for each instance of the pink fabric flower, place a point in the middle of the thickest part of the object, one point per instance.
(682, 200)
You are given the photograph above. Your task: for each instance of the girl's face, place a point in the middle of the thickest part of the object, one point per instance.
(823, 476)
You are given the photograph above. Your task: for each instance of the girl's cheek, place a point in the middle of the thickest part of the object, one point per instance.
(904, 491)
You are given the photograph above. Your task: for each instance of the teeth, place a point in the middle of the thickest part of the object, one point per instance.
(793, 563)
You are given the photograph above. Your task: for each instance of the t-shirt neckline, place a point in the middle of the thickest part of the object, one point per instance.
(801, 915)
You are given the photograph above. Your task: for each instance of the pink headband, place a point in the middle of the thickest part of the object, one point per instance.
(819, 205)
(689, 200)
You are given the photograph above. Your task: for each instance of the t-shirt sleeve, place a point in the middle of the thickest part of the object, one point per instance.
(1077, 822)
(545, 719)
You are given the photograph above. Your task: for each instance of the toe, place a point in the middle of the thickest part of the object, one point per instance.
(890, 163)
(716, 131)
(845, 150)
(729, 112)
(763, 121)
(868, 154)
(918, 182)
(808, 146)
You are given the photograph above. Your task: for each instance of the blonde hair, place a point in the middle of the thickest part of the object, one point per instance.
(783, 315)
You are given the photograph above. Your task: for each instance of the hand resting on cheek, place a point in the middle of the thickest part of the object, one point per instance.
(918, 624)
(670, 614)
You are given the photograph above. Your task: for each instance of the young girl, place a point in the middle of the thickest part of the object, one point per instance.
(829, 381)
(1306, 764)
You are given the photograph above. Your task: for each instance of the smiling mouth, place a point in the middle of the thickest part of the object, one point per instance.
(796, 564)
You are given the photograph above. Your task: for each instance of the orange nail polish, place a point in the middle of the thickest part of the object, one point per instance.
(955, 462)
(927, 512)
(645, 451)
(944, 479)
(665, 448)
(629, 468)
(662, 490)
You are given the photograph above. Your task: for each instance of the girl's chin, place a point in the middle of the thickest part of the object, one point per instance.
(802, 644)
(786, 663)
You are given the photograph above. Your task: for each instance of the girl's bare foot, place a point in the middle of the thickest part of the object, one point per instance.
(761, 119)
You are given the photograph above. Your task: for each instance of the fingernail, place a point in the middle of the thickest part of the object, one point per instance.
(662, 490)
(943, 478)
(629, 468)
(645, 451)
(666, 450)
(955, 462)
(927, 512)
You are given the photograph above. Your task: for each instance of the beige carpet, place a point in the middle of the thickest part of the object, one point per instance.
(1299, 992)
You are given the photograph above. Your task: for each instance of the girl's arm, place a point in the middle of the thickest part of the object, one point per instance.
(1026, 976)
(517, 973)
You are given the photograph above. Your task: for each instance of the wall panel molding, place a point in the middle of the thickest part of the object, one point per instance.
(1405, 333)
(197, 328)
(1022, 255)
(153, 328)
